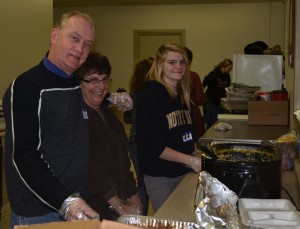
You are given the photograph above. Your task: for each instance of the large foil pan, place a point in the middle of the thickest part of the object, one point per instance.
(157, 223)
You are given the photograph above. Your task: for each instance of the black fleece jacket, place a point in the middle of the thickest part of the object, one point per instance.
(46, 148)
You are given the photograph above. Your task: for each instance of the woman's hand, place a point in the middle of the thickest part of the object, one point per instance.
(136, 201)
(195, 163)
(122, 100)
(125, 207)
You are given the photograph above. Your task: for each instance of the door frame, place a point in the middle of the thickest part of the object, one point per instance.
(137, 34)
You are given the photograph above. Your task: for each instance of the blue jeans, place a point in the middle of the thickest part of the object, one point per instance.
(140, 178)
(21, 220)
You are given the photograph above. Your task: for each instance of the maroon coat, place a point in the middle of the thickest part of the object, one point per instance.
(197, 97)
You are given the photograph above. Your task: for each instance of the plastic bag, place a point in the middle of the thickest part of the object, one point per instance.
(288, 146)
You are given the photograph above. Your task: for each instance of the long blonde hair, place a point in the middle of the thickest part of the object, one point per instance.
(156, 72)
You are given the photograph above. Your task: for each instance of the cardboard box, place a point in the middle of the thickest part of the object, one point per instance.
(80, 224)
(268, 112)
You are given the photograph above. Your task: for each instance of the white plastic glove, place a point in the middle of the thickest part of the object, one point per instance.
(124, 207)
(222, 126)
(194, 163)
(136, 200)
(122, 100)
(75, 208)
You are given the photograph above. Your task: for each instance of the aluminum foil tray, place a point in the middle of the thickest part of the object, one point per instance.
(241, 96)
(234, 106)
(243, 88)
(157, 223)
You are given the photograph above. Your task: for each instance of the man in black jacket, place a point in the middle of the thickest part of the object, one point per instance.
(46, 148)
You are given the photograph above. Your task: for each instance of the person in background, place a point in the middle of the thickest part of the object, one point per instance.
(257, 48)
(164, 129)
(136, 87)
(197, 98)
(215, 83)
(46, 144)
(112, 186)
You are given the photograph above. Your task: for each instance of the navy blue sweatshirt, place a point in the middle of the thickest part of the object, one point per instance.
(162, 121)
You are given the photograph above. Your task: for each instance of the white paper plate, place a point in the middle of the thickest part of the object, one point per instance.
(268, 213)
(265, 204)
(270, 218)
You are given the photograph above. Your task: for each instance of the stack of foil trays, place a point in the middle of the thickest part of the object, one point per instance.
(237, 98)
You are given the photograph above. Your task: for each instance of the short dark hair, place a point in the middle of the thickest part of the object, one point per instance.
(189, 54)
(95, 63)
(257, 47)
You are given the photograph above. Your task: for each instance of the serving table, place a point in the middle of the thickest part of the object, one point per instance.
(242, 131)
(180, 204)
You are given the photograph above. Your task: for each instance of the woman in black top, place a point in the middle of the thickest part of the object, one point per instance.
(215, 83)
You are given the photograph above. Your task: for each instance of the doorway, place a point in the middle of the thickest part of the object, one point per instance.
(146, 42)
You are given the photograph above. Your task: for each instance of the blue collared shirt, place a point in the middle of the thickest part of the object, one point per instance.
(56, 70)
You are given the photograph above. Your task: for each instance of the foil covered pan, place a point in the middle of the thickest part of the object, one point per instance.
(158, 223)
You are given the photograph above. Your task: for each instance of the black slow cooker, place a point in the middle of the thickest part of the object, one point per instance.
(250, 170)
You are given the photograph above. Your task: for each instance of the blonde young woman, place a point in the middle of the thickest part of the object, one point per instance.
(164, 128)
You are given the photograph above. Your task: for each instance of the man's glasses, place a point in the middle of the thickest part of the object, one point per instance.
(96, 81)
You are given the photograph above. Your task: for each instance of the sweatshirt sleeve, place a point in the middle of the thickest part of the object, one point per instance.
(208, 80)
(26, 158)
(150, 127)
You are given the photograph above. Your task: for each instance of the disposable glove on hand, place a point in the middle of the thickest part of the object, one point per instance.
(194, 163)
(75, 208)
(122, 100)
(136, 201)
(124, 207)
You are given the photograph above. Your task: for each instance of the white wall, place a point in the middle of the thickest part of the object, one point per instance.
(297, 59)
(25, 33)
(213, 31)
